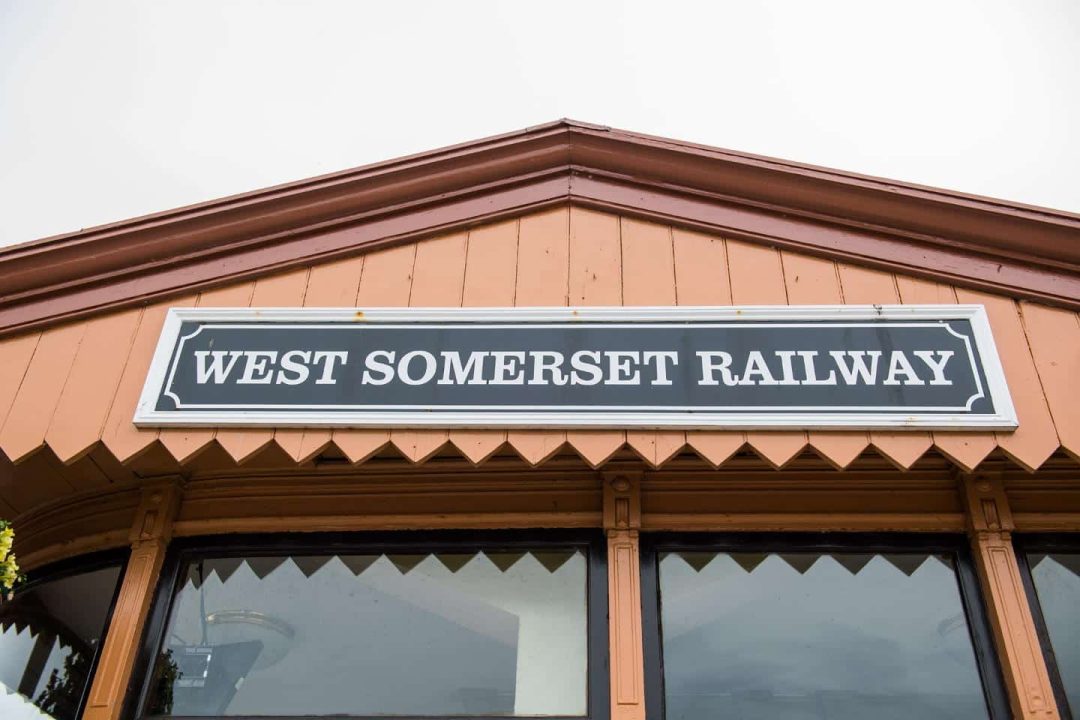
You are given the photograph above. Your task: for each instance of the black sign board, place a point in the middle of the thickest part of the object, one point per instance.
(724, 367)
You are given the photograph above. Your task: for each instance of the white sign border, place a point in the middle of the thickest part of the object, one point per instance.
(156, 380)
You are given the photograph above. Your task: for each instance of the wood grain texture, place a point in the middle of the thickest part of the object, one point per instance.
(284, 290)
(542, 279)
(15, 356)
(185, 443)
(438, 278)
(32, 411)
(1035, 439)
(966, 449)
(962, 448)
(385, 282)
(648, 271)
(332, 285)
(757, 278)
(862, 286)
(490, 281)
(814, 281)
(95, 376)
(917, 291)
(1054, 340)
(701, 278)
(551, 258)
(120, 436)
(596, 278)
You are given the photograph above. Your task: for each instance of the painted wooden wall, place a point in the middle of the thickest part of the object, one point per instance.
(75, 386)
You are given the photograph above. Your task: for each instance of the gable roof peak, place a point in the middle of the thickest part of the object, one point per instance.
(965, 240)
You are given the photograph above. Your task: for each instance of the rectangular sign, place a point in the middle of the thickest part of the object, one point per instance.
(716, 367)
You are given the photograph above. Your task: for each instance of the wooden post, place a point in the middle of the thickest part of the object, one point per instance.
(150, 534)
(990, 527)
(622, 521)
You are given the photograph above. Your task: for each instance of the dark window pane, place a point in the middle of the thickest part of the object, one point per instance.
(468, 633)
(50, 633)
(1057, 583)
(799, 636)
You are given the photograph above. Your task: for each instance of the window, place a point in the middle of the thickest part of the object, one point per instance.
(50, 634)
(458, 627)
(794, 627)
(1052, 574)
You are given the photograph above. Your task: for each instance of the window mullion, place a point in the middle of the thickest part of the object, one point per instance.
(150, 535)
(1023, 666)
(622, 522)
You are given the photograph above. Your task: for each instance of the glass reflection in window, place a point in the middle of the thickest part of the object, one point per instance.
(1057, 583)
(807, 635)
(422, 634)
(49, 636)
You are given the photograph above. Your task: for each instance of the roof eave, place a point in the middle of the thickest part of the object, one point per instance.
(966, 240)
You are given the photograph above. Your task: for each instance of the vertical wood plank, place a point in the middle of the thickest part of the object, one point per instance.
(815, 281)
(595, 279)
(185, 443)
(119, 434)
(862, 286)
(966, 449)
(1023, 666)
(701, 278)
(1035, 439)
(15, 355)
(95, 375)
(917, 291)
(595, 258)
(542, 279)
(385, 282)
(332, 284)
(490, 270)
(648, 278)
(150, 536)
(757, 278)
(1054, 338)
(438, 277)
(283, 290)
(39, 392)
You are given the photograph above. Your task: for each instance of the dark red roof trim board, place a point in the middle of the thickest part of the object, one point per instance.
(964, 240)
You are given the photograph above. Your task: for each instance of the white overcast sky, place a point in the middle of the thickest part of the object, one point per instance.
(111, 109)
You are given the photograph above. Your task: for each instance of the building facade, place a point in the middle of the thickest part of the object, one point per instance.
(824, 564)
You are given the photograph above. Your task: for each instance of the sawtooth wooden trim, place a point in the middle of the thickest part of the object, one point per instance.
(554, 257)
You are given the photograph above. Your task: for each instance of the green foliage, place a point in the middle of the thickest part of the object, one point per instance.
(60, 697)
(166, 673)
(9, 569)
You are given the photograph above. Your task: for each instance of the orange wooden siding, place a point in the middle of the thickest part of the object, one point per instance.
(72, 386)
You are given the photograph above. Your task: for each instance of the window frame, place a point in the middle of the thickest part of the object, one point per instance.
(79, 565)
(652, 544)
(1024, 543)
(406, 541)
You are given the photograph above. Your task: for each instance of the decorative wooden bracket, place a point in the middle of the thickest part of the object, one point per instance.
(150, 535)
(622, 521)
(990, 528)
